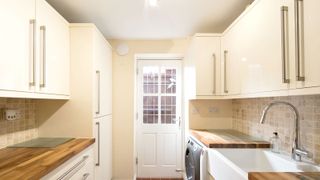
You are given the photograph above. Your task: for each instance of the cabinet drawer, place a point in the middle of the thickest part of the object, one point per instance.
(79, 167)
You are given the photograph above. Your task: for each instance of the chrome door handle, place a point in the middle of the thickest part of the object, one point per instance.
(42, 56)
(32, 36)
(98, 92)
(179, 121)
(299, 40)
(284, 44)
(225, 87)
(98, 148)
(214, 73)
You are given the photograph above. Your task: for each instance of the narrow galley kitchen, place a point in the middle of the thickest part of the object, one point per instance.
(159, 89)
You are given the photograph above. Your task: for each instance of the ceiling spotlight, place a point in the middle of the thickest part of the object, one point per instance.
(153, 3)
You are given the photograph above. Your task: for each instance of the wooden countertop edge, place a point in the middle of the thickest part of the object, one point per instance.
(284, 175)
(239, 145)
(230, 144)
(43, 162)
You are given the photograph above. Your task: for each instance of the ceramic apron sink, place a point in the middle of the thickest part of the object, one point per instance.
(226, 164)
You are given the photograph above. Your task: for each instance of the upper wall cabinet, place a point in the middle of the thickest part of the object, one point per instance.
(34, 50)
(53, 50)
(17, 44)
(307, 40)
(256, 48)
(202, 66)
(230, 71)
(272, 47)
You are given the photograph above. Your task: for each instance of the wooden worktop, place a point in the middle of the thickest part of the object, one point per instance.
(284, 176)
(227, 139)
(34, 163)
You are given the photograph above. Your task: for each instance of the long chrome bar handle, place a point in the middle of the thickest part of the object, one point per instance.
(299, 35)
(32, 52)
(284, 44)
(225, 87)
(98, 148)
(98, 92)
(43, 56)
(214, 87)
(73, 169)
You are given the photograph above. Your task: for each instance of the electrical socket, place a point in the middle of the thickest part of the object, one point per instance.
(11, 114)
(213, 110)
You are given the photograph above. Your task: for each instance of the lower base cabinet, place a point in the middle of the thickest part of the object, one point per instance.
(80, 167)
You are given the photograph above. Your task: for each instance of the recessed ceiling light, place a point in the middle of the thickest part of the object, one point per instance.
(153, 3)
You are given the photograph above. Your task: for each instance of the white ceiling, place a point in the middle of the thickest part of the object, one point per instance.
(132, 19)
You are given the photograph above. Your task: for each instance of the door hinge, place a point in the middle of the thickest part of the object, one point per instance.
(137, 160)
(137, 115)
(137, 71)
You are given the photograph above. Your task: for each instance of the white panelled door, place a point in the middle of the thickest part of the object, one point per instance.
(159, 118)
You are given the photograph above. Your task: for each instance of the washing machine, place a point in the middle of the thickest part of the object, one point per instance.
(195, 160)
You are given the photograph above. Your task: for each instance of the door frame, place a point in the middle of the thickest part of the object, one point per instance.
(155, 56)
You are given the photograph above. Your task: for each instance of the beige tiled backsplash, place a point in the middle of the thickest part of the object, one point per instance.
(247, 112)
(23, 129)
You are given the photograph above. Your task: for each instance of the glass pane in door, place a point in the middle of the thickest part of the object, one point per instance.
(168, 95)
(150, 109)
(150, 79)
(168, 80)
(168, 109)
(150, 95)
(159, 95)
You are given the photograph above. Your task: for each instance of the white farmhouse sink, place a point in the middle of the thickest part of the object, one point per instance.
(226, 164)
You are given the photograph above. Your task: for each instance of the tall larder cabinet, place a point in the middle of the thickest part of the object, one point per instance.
(90, 48)
(88, 113)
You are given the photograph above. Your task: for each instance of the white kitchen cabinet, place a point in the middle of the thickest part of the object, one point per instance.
(103, 76)
(103, 149)
(230, 63)
(269, 52)
(308, 41)
(53, 50)
(17, 51)
(90, 53)
(258, 41)
(202, 66)
(34, 50)
(79, 167)
(94, 66)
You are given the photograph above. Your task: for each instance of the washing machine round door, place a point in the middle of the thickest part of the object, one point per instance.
(190, 162)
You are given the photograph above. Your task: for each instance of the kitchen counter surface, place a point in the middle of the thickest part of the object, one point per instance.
(284, 176)
(34, 163)
(227, 138)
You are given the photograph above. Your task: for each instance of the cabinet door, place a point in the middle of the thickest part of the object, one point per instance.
(53, 50)
(16, 44)
(309, 61)
(230, 64)
(263, 67)
(103, 147)
(103, 76)
(207, 61)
